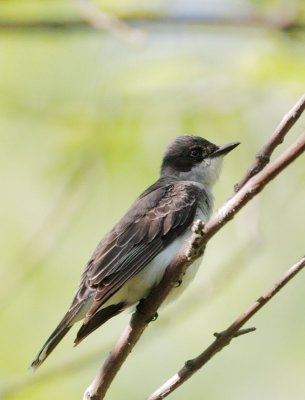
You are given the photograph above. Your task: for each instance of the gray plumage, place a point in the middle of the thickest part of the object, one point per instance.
(133, 256)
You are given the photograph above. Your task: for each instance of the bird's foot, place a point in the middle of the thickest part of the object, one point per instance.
(140, 310)
(177, 283)
(153, 318)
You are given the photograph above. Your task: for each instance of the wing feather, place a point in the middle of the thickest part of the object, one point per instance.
(104, 292)
(158, 216)
(154, 228)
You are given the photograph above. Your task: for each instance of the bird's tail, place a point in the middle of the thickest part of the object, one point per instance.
(49, 346)
(62, 329)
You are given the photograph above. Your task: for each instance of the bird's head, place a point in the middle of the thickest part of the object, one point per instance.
(194, 158)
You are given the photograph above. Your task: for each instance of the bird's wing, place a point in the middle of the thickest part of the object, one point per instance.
(156, 218)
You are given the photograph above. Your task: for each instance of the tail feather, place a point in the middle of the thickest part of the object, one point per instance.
(49, 346)
(72, 316)
(98, 319)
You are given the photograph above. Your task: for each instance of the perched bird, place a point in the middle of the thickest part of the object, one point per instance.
(133, 256)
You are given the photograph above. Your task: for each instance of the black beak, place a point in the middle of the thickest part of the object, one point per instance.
(225, 149)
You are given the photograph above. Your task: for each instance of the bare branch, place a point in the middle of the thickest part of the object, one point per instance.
(163, 21)
(263, 156)
(101, 20)
(222, 340)
(201, 235)
(240, 332)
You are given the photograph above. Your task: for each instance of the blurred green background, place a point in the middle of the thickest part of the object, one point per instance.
(85, 117)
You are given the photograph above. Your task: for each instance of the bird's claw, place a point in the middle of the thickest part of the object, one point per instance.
(153, 318)
(177, 283)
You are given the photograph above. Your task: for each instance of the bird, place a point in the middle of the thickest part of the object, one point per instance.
(133, 256)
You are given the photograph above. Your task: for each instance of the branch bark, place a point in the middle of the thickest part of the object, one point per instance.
(224, 339)
(250, 187)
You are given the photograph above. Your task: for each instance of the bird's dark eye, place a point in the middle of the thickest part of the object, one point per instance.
(196, 153)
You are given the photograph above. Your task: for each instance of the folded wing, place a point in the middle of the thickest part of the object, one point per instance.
(158, 216)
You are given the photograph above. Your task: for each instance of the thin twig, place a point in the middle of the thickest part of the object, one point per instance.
(263, 156)
(192, 366)
(101, 20)
(240, 332)
(200, 237)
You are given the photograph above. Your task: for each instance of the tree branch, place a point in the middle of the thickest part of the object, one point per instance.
(263, 156)
(224, 339)
(155, 20)
(101, 20)
(200, 237)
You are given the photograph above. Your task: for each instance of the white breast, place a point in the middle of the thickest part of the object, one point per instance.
(139, 286)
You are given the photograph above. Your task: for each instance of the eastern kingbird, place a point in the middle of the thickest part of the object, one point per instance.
(133, 256)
